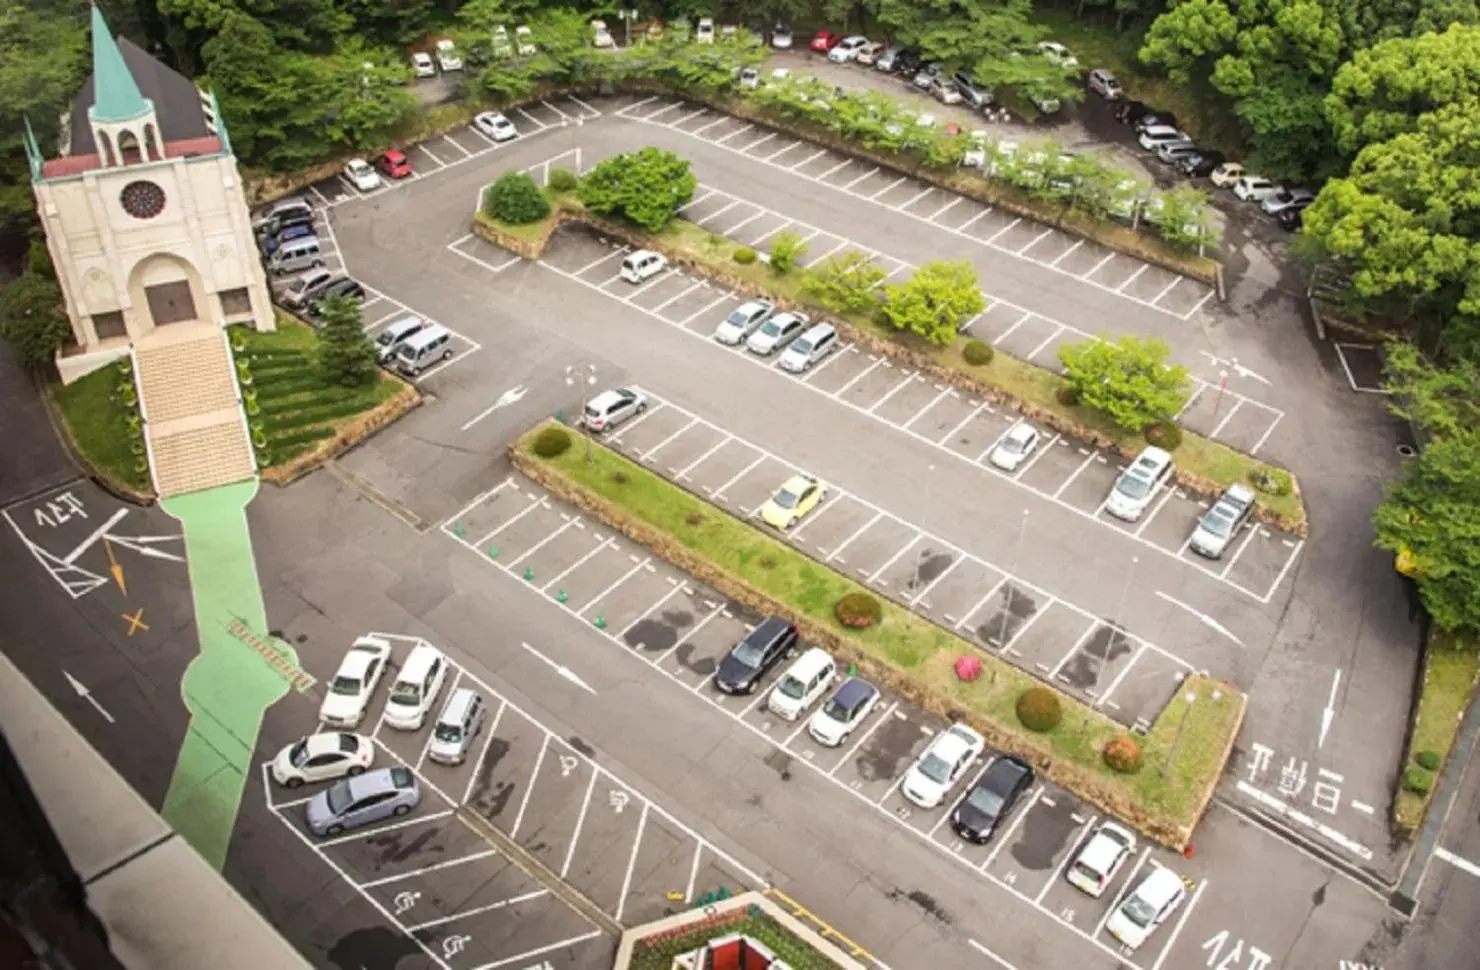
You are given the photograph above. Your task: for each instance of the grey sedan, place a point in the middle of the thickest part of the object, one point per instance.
(1216, 529)
(359, 801)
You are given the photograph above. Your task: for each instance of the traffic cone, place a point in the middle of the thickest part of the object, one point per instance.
(528, 573)
(600, 622)
(1189, 851)
(561, 597)
(493, 552)
(458, 529)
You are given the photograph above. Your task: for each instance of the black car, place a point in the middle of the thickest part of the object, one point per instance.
(344, 286)
(1202, 164)
(908, 62)
(1291, 217)
(741, 670)
(990, 800)
(1129, 112)
(1152, 118)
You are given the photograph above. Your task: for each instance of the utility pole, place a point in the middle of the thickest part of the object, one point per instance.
(1017, 557)
(585, 376)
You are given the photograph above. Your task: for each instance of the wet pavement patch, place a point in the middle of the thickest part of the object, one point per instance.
(926, 902)
(658, 633)
(373, 948)
(491, 804)
(886, 753)
(581, 746)
(1046, 831)
(396, 848)
(1016, 608)
(703, 666)
(1106, 645)
(779, 762)
(930, 567)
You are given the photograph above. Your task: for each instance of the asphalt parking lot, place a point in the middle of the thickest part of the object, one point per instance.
(441, 882)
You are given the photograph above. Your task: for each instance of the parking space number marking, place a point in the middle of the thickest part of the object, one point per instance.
(1233, 956)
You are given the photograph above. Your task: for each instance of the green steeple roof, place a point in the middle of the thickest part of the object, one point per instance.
(116, 96)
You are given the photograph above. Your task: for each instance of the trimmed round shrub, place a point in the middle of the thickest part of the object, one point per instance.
(1067, 395)
(858, 610)
(1039, 709)
(744, 256)
(1271, 481)
(1417, 781)
(978, 353)
(563, 180)
(1123, 755)
(515, 199)
(1429, 759)
(1164, 434)
(552, 442)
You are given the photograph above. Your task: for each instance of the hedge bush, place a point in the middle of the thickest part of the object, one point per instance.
(552, 442)
(515, 199)
(1430, 760)
(1418, 781)
(563, 180)
(744, 255)
(1271, 481)
(1123, 755)
(1164, 434)
(1067, 396)
(978, 353)
(858, 610)
(1039, 709)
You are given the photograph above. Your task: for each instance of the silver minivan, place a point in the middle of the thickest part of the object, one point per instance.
(284, 209)
(423, 349)
(295, 256)
(305, 288)
(389, 340)
(460, 722)
(811, 347)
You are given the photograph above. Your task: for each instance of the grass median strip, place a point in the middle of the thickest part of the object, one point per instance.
(1451, 668)
(1183, 753)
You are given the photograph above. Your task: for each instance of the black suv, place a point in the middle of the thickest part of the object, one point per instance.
(747, 662)
(1201, 165)
(991, 799)
(344, 286)
(907, 62)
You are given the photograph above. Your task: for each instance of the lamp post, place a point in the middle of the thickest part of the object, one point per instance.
(585, 376)
(1222, 386)
(628, 15)
(1017, 558)
(1166, 766)
(1125, 596)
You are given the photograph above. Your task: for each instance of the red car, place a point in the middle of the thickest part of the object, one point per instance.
(395, 164)
(825, 41)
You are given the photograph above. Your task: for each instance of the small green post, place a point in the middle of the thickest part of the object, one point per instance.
(561, 596)
(458, 529)
(560, 415)
(528, 573)
(853, 670)
(600, 622)
(493, 552)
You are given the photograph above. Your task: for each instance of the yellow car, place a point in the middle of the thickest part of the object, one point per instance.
(796, 497)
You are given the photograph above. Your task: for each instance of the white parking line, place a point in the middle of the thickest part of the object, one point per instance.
(664, 305)
(719, 492)
(933, 402)
(575, 839)
(862, 529)
(891, 185)
(1181, 922)
(648, 456)
(1058, 870)
(1125, 889)
(757, 143)
(947, 207)
(1068, 252)
(541, 544)
(534, 504)
(1046, 341)
(428, 152)
(404, 823)
(1036, 240)
(1027, 315)
(928, 190)
(443, 920)
(416, 873)
(781, 151)
(540, 951)
(732, 134)
(1017, 820)
(529, 788)
(1169, 287)
(1133, 277)
(632, 863)
(1007, 228)
(617, 582)
(718, 121)
(716, 215)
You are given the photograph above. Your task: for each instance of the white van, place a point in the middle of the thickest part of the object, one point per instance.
(389, 340)
(295, 256)
(423, 349)
(810, 348)
(804, 682)
(642, 265)
(283, 208)
(1158, 135)
(460, 722)
(416, 688)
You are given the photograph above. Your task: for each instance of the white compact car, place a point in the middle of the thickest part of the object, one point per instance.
(743, 321)
(1153, 901)
(1138, 484)
(416, 688)
(495, 126)
(847, 49)
(642, 265)
(1253, 188)
(1015, 447)
(600, 36)
(777, 332)
(361, 175)
(804, 682)
(848, 707)
(322, 757)
(354, 682)
(447, 56)
(943, 762)
(1101, 858)
(421, 64)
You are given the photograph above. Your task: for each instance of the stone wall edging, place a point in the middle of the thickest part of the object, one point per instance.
(1198, 484)
(1099, 791)
(364, 426)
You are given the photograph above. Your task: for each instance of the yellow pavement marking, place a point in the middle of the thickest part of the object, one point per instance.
(136, 621)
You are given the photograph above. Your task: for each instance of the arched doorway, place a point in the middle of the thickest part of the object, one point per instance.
(170, 288)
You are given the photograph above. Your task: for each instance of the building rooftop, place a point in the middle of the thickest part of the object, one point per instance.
(69, 165)
(176, 99)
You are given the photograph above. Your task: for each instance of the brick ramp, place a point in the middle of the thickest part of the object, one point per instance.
(196, 431)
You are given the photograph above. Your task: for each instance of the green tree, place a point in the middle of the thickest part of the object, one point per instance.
(515, 199)
(936, 301)
(1181, 216)
(1432, 515)
(346, 354)
(32, 319)
(1443, 401)
(647, 187)
(846, 283)
(786, 248)
(1127, 379)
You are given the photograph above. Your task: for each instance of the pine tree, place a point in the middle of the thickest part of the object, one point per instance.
(345, 352)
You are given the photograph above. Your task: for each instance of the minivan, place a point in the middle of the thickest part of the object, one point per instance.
(742, 668)
(295, 256)
(1139, 483)
(389, 340)
(306, 287)
(423, 349)
(271, 244)
(416, 688)
(1158, 135)
(819, 341)
(460, 722)
(642, 265)
(803, 682)
(281, 209)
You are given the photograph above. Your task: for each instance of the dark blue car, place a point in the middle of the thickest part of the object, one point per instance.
(271, 243)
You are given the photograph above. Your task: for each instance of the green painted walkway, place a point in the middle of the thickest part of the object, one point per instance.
(230, 686)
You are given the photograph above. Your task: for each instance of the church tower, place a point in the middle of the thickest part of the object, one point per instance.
(144, 212)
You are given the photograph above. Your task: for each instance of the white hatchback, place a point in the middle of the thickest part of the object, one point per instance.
(422, 66)
(495, 126)
(1138, 484)
(1150, 904)
(1015, 447)
(354, 682)
(322, 757)
(416, 688)
(1253, 188)
(943, 762)
(1094, 868)
(803, 682)
(847, 49)
(361, 175)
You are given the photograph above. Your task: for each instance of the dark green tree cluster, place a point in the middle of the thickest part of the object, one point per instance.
(346, 354)
(647, 187)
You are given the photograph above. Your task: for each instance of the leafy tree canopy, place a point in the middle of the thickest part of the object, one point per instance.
(647, 186)
(1128, 379)
(936, 301)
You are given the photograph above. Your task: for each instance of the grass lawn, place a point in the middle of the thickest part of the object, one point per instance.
(1201, 111)
(530, 231)
(914, 647)
(298, 407)
(1453, 665)
(97, 419)
(1024, 381)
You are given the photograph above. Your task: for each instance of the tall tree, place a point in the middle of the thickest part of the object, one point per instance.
(346, 354)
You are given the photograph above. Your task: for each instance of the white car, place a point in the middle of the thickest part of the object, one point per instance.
(743, 321)
(1015, 447)
(704, 33)
(322, 757)
(447, 56)
(1254, 188)
(495, 126)
(1150, 904)
(781, 37)
(777, 332)
(804, 682)
(1227, 175)
(847, 49)
(869, 53)
(976, 151)
(1057, 53)
(600, 36)
(849, 707)
(354, 682)
(1094, 868)
(750, 78)
(361, 175)
(421, 63)
(524, 41)
(1138, 484)
(943, 762)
